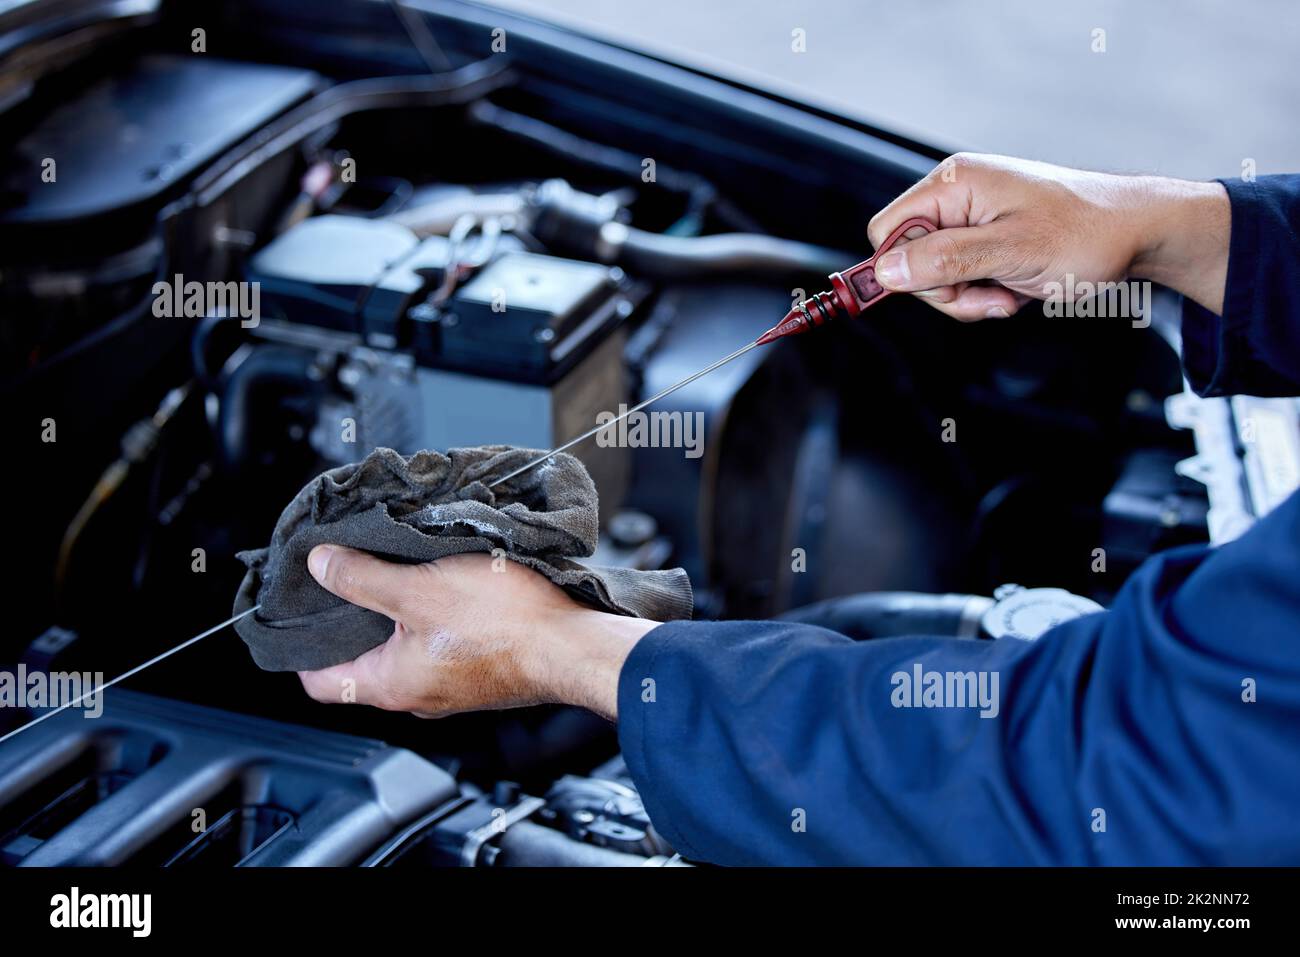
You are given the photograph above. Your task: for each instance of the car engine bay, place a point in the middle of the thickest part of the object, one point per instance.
(361, 222)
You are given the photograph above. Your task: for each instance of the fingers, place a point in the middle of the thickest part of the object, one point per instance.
(939, 295)
(363, 579)
(942, 267)
(948, 257)
(969, 302)
(924, 200)
(353, 682)
(336, 685)
(941, 196)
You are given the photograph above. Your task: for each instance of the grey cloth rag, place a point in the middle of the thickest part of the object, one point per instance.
(420, 509)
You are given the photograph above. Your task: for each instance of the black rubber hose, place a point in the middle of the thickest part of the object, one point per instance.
(265, 365)
(890, 614)
(657, 256)
(200, 350)
(575, 224)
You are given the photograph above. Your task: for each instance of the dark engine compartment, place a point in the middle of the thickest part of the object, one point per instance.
(640, 220)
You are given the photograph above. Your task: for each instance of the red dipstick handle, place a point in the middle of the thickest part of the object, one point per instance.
(852, 290)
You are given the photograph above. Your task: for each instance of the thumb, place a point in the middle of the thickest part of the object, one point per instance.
(945, 258)
(363, 579)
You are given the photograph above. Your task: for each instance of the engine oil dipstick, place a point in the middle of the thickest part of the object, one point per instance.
(852, 291)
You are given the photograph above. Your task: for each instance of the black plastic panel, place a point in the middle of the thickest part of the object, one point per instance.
(130, 137)
(161, 783)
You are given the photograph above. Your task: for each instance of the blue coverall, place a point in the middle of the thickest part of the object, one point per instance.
(1165, 730)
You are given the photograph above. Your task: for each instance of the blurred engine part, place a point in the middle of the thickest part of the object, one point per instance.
(1028, 613)
(890, 614)
(137, 445)
(1247, 455)
(161, 784)
(155, 782)
(591, 227)
(604, 809)
(89, 178)
(182, 112)
(595, 821)
(1153, 505)
(525, 350)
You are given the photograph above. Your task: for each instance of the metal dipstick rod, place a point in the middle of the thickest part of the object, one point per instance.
(852, 291)
(519, 471)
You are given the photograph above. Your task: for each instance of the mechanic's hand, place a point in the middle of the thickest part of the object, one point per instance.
(1009, 227)
(471, 633)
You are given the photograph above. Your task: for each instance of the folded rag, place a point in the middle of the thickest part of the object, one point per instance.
(420, 509)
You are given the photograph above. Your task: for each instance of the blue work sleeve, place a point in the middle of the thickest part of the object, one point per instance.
(1164, 731)
(1254, 347)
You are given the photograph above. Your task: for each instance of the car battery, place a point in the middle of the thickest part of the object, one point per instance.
(529, 315)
